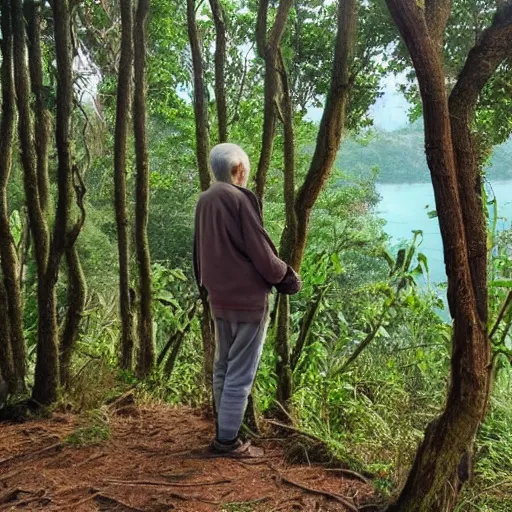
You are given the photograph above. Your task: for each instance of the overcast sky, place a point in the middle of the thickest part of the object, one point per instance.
(390, 111)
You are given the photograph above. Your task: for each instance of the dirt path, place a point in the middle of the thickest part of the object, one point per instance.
(143, 467)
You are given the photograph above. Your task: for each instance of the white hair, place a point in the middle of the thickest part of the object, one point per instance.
(224, 157)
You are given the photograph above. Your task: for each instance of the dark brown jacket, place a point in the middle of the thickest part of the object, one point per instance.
(234, 258)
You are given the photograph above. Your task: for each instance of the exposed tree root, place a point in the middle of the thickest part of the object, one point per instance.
(349, 473)
(167, 484)
(30, 455)
(327, 494)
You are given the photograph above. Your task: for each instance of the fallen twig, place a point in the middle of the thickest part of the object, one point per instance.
(24, 455)
(348, 472)
(114, 501)
(295, 430)
(90, 459)
(12, 495)
(248, 503)
(75, 504)
(167, 484)
(327, 494)
(40, 497)
(12, 474)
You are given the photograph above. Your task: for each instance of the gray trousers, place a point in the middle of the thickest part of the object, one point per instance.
(237, 355)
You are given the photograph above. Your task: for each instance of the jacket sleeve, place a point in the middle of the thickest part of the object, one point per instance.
(259, 247)
(195, 251)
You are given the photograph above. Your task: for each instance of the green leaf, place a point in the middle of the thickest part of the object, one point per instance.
(504, 283)
(423, 260)
(382, 331)
(335, 259)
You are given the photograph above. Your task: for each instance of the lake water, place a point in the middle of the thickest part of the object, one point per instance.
(404, 207)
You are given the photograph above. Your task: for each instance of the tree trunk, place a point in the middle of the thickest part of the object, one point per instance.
(443, 460)
(298, 208)
(42, 116)
(269, 50)
(145, 319)
(8, 257)
(46, 374)
(220, 64)
(332, 126)
(121, 134)
(200, 106)
(202, 150)
(6, 367)
(284, 371)
(76, 302)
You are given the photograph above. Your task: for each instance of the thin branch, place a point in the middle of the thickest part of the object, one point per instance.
(501, 314)
(242, 85)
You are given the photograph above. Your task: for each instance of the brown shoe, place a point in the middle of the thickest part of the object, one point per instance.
(237, 449)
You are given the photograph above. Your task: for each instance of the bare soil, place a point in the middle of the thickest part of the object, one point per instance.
(155, 460)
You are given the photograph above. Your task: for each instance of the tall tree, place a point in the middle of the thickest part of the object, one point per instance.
(14, 341)
(202, 150)
(299, 206)
(121, 135)
(219, 19)
(46, 381)
(269, 44)
(443, 459)
(42, 117)
(145, 321)
(68, 177)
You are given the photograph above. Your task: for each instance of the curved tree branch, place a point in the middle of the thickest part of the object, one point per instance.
(268, 48)
(332, 125)
(493, 47)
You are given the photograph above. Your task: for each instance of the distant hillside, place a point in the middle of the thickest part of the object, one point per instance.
(400, 157)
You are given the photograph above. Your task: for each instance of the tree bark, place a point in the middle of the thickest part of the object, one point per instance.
(443, 460)
(284, 369)
(76, 295)
(42, 116)
(490, 51)
(145, 319)
(202, 150)
(8, 258)
(121, 134)
(200, 106)
(46, 376)
(332, 126)
(298, 208)
(6, 367)
(220, 65)
(269, 49)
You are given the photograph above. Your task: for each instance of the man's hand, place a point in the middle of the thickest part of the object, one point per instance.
(291, 283)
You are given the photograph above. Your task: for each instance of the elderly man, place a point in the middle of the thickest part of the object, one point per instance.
(237, 263)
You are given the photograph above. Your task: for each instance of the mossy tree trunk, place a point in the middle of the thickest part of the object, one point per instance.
(14, 341)
(32, 9)
(146, 357)
(69, 182)
(121, 134)
(46, 383)
(202, 150)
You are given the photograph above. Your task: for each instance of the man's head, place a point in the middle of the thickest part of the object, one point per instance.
(230, 164)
